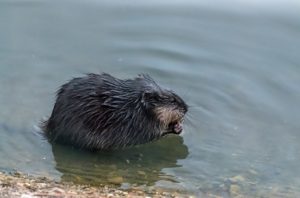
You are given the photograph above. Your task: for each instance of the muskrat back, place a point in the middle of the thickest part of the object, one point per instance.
(100, 112)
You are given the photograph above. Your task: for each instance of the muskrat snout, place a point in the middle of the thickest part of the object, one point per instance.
(171, 119)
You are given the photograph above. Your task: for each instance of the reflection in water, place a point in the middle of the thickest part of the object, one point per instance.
(136, 165)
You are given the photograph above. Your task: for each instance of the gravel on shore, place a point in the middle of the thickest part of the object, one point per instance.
(20, 185)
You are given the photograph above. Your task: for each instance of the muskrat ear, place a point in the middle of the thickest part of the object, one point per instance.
(145, 76)
(147, 95)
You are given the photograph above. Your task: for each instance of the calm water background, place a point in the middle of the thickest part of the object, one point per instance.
(237, 63)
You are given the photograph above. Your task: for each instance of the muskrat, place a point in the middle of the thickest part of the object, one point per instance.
(101, 112)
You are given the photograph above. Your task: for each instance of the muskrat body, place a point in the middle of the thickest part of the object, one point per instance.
(100, 112)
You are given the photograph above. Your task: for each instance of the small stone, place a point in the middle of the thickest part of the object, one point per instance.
(253, 172)
(115, 180)
(113, 166)
(57, 190)
(141, 173)
(237, 179)
(42, 185)
(26, 196)
(223, 187)
(213, 196)
(234, 190)
(140, 192)
(125, 186)
(76, 178)
(110, 195)
(31, 186)
(17, 174)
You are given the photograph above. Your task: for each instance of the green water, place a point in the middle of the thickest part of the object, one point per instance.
(236, 63)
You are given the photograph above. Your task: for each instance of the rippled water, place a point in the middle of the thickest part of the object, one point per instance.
(236, 63)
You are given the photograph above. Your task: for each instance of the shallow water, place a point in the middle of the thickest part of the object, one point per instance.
(236, 63)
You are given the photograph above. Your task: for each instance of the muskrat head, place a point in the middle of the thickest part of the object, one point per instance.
(168, 109)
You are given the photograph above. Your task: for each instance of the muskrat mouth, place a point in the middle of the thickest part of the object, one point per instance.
(175, 127)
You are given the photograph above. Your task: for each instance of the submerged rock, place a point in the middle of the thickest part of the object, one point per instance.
(142, 173)
(237, 179)
(235, 190)
(116, 180)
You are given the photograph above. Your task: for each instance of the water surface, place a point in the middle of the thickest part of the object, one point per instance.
(238, 67)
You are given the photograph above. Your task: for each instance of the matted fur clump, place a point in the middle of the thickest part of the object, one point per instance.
(100, 112)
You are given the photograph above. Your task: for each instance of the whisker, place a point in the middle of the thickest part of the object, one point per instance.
(189, 122)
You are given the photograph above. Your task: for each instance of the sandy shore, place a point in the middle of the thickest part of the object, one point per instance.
(24, 186)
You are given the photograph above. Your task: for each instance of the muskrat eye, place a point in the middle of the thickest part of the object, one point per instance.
(151, 96)
(155, 97)
(173, 101)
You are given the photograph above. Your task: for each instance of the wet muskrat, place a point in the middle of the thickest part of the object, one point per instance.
(100, 112)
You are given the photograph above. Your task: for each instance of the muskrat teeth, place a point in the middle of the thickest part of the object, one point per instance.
(178, 127)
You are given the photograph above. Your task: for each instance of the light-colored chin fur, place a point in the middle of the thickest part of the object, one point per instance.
(167, 115)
